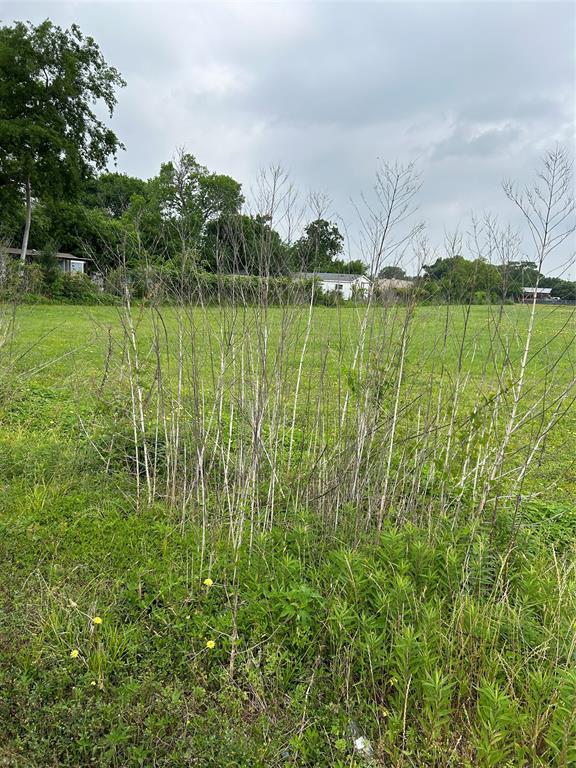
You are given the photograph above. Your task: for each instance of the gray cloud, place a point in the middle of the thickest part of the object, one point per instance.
(472, 91)
(483, 142)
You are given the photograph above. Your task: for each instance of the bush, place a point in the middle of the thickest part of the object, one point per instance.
(167, 283)
(17, 280)
(72, 289)
(44, 282)
(77, 288)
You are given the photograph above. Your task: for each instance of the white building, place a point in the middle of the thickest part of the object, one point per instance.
(335, 282)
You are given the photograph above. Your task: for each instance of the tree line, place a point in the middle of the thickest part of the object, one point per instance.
(55, 191)
(184, 208)
(459, 280)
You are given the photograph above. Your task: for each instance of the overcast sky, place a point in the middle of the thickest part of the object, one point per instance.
(471, 91)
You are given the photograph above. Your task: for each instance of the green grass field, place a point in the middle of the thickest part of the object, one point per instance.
(331, 478)
(61, 352)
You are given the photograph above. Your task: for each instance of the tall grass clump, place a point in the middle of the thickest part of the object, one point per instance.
(244, 411)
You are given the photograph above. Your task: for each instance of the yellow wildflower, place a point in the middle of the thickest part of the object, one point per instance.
(74, 653)
(96, 620)
(208, 582)
(210, 644)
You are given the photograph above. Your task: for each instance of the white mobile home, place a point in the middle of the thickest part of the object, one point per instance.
(344, 285)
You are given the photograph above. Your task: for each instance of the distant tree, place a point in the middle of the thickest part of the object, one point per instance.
(144, 218)
(177, 187)
(355, 267)
(13, 215)
(67, 225)
(50, 136)
(320, 245)
(236, 243)
(392, 273)
(188, 196)
(220, 195)
(456, 279)
(563, 289)
(112, 192)
(441, 268)
(517, 275)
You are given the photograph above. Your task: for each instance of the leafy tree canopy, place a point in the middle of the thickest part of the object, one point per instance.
(50, 136)
(458, 279)
(188, 196)
(519, 274)
(563, 289)
(320, 245)
(354, 267)
(112, 192)
(392, 273)
(237, 243)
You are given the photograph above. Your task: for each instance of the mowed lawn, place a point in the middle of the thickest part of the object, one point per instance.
(61, 338)
(64, 352)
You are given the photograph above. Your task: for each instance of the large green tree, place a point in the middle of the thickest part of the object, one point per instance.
(187, 197)
(112, 192)
(235, 243)
(393, 272)
(563, 289)
(319, 247)
(51, 138)
(11, 217)
(456, 279)
(70, 226)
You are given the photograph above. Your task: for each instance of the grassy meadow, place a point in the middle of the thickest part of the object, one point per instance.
(287, 536)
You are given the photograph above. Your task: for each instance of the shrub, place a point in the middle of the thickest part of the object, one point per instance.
(16, 280)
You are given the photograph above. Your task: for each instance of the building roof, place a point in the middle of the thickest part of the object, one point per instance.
(34, 252)
(537, 290)
(330, 277)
